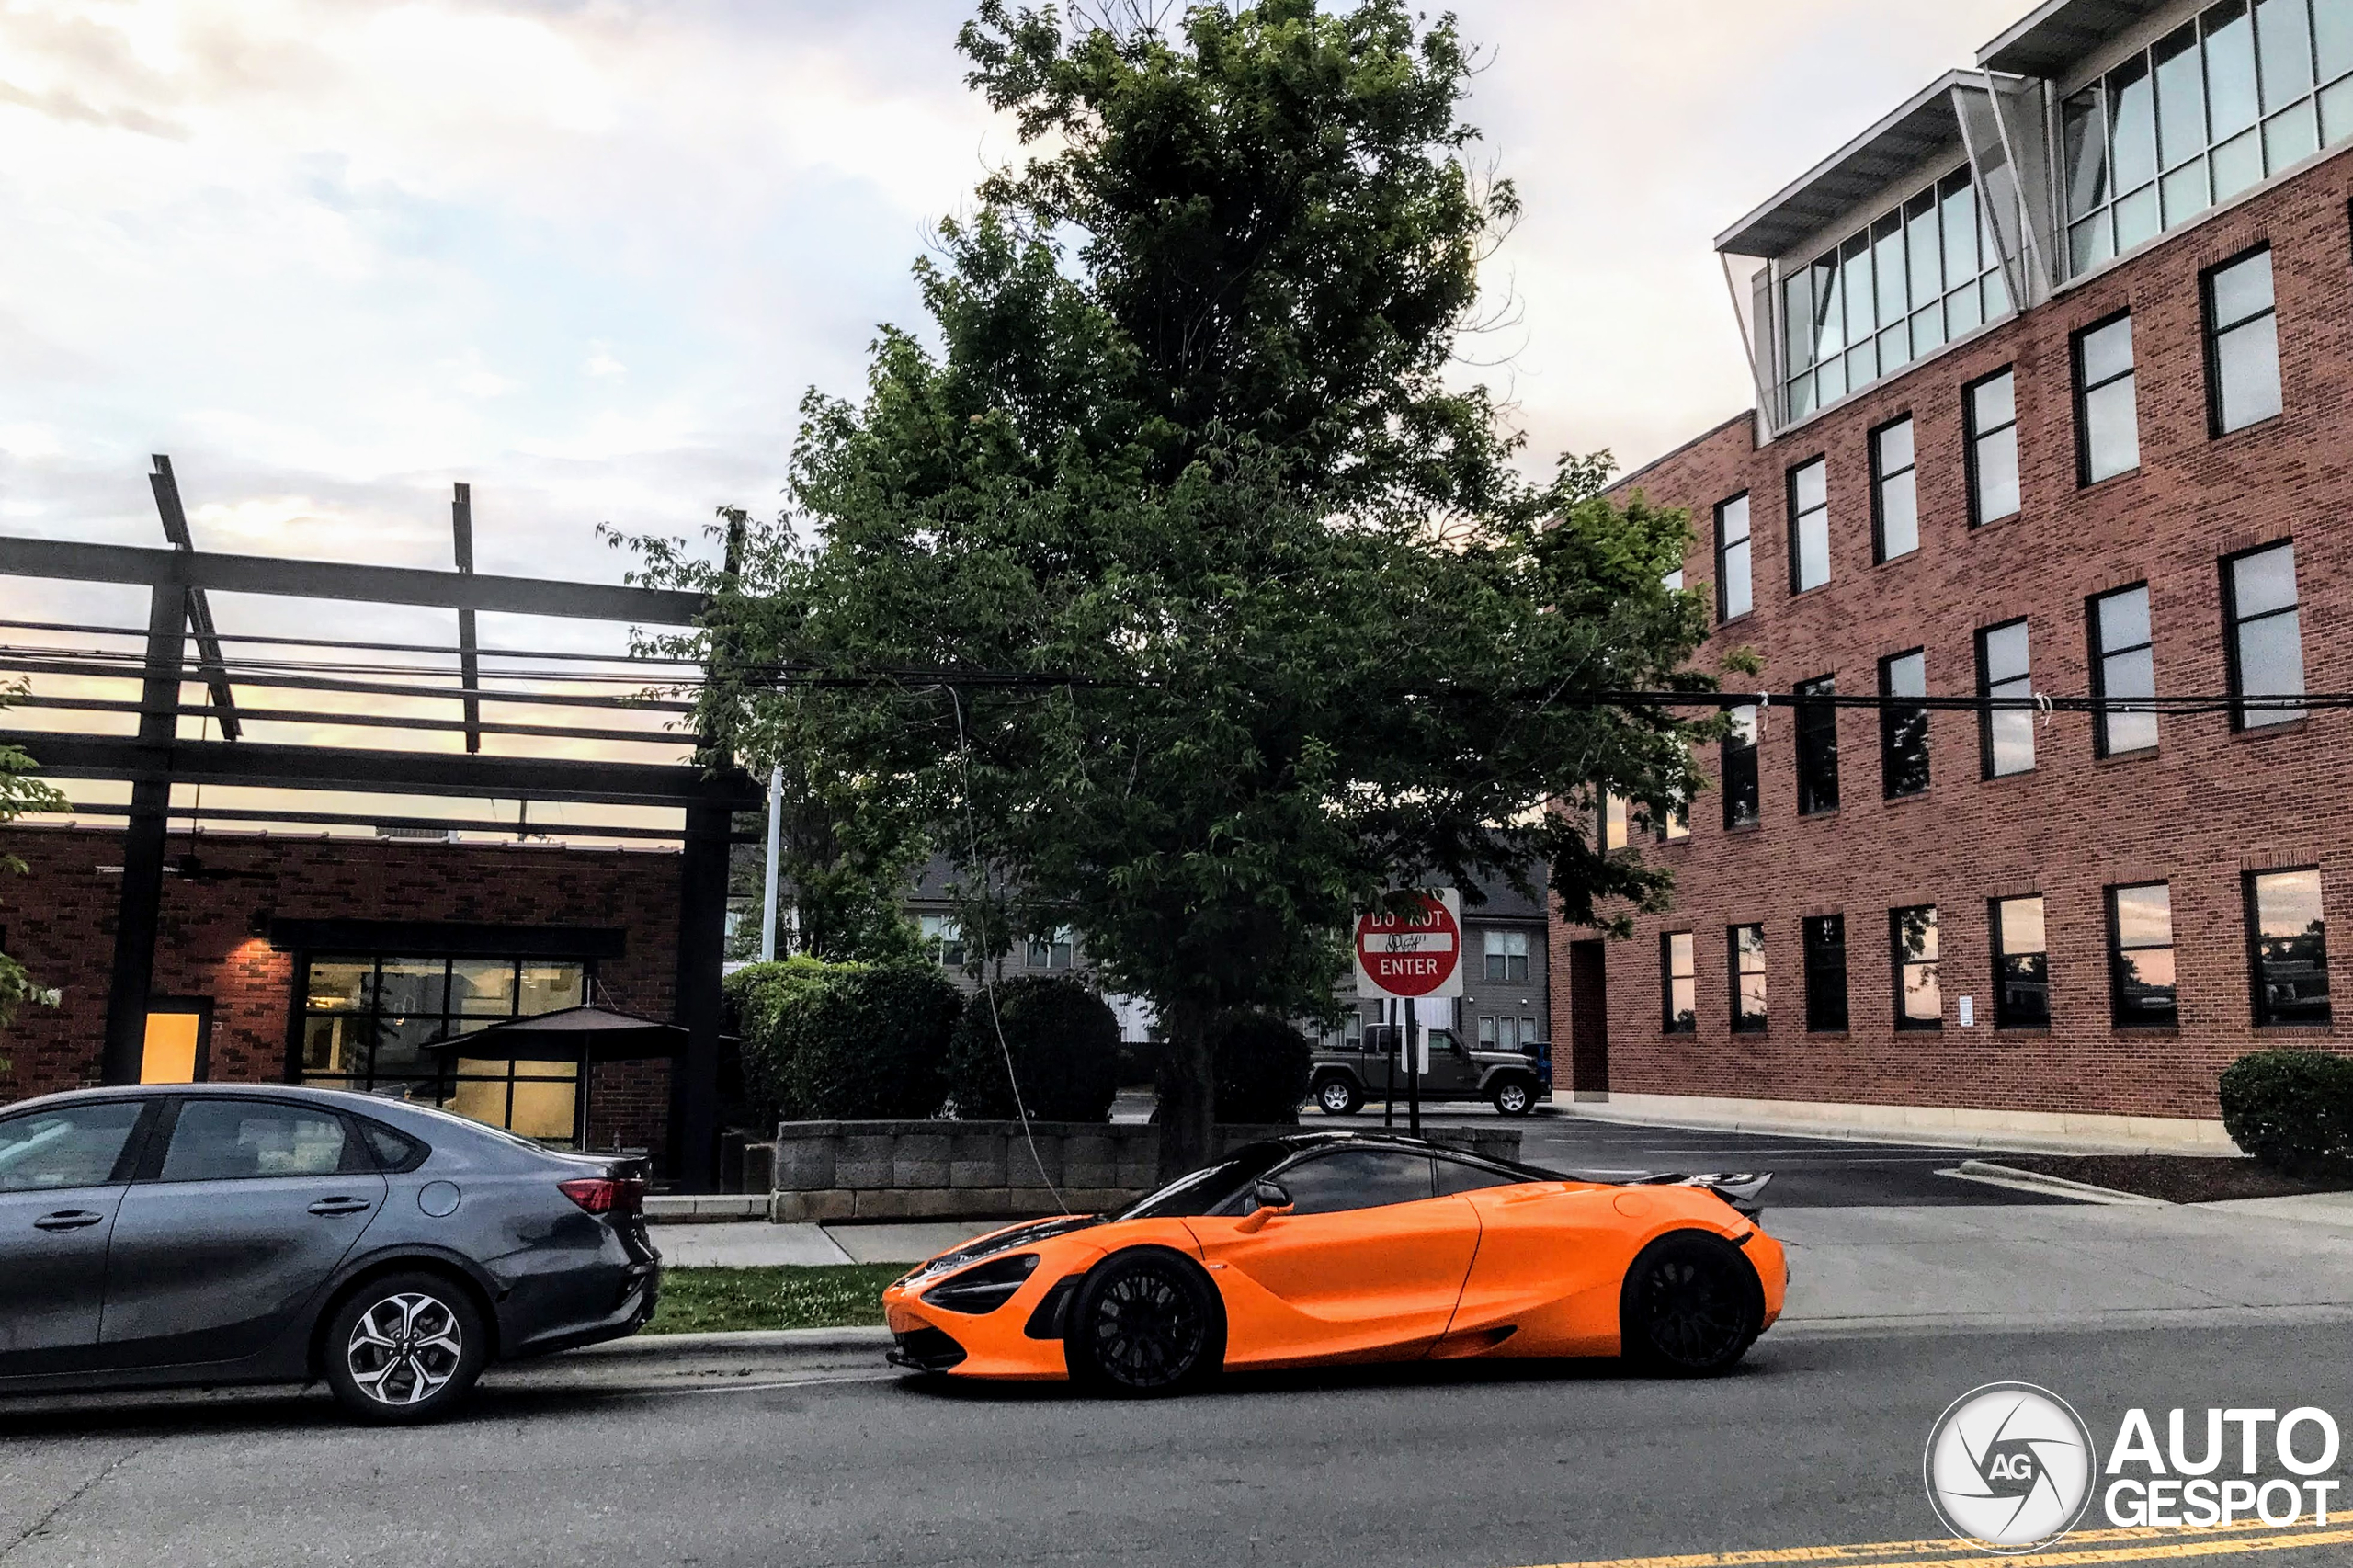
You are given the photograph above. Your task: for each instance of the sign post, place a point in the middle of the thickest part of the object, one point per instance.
(1408, 956)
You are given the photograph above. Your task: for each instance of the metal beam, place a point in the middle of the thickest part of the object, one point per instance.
(303, 814)
(462, 525)
(702, 949)
(366, 721)
(68, 560)
(377, 772)
(199, 609)
(139, 912)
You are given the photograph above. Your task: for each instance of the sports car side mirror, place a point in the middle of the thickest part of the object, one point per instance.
(1271, 1200)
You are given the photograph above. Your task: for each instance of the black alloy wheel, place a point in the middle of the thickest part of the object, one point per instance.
(1513, 1098)
(1337, 1096)
(1146, 1322)
(1691, 1306)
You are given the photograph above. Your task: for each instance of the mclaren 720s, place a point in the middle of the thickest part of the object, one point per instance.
(1336, 1248)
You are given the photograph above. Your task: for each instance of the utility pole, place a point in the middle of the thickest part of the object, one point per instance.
(776, 845)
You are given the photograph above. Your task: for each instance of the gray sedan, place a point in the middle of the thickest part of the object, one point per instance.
(217, 1233)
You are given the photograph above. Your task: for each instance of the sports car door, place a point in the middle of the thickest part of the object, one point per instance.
(1366, 1266)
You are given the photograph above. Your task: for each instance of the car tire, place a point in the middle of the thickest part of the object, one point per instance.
(1145, 1324)
(1337, 1095)
(1691, 1306)
(1514, 1097)
(405, 1348)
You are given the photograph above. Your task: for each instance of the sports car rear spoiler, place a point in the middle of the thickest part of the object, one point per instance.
(1743, 1189)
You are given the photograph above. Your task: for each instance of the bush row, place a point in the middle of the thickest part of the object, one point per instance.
(897, 1041)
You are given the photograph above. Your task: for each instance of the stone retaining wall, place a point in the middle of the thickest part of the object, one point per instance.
(926, 1170)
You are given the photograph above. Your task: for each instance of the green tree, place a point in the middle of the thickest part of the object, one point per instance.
(1178, 591)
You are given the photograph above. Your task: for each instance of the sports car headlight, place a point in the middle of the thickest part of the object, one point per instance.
(984, 1287)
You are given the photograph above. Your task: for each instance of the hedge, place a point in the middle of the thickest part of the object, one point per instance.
(1260, 1065)
(2293, 1110)
(849, 1041)
(1064, 1041)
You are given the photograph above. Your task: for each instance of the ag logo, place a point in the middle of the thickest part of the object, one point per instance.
(2010, 1466)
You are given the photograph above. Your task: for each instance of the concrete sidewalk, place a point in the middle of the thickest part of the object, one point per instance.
(758, 1245)
(2064, 1266)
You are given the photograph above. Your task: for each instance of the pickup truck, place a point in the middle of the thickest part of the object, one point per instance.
(1512, 1081)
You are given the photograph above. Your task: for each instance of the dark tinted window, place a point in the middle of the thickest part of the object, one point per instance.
(1454, 1176)
(1825, 971)
(1737, 758)
(1202, 1191)
(1817, 747)
(1904, 728)
(395, 1152)
(238, 1140)
(75, 1146)
(1356, 1178)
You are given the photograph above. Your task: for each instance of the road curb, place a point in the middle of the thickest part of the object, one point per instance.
(767, 1343)
(1996, 1175)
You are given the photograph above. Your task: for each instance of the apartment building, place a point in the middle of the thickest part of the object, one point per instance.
(2054, 376)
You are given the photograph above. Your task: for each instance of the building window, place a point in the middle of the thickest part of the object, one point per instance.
(2123, 671)
(943, 939)
(2021, 965)
(365, 1022)
(2266, 643)
(1919, 994)
(1676, 823)
(1921, 274)
(2215, 107)
(1506, 955)
(1745, 946)
(1734, 593)
(1990, 411)
(1825, 972)
(1896, 494)
(2107, 420)
(1904, 728)
(2140, 955)
(1614, 829)
(1352, 1031)
(2288, 946)
(1809, 524)
(1056, 951)
(1738, 760)
(1817, 748)
(2242, 343)
(2007, 733)
(1679, 983)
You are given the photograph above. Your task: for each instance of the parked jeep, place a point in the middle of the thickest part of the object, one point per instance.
(1512, 1081)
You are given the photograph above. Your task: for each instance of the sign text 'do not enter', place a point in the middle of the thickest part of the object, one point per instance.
(1418, 953)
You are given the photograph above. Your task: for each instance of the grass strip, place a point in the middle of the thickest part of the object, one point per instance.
(718, 1300)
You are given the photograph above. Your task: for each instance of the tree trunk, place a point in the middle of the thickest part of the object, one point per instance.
(1187, 1114)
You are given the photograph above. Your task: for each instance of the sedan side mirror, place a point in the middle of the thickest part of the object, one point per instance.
(1271, 1200)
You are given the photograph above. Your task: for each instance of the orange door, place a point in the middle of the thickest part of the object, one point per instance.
(1551, 1258)
(1366, 1284)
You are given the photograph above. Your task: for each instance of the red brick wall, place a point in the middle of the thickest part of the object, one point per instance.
(2206, 807)
(60, 919)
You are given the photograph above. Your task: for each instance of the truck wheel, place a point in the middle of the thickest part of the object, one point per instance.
(1337, 1095)
(1513, 1098)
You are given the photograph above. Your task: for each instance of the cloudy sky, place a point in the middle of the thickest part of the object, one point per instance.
(332, 254)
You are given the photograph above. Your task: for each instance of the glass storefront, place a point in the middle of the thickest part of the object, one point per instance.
(365, 1022)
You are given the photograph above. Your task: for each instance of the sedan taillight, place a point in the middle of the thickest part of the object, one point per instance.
(604, 1195)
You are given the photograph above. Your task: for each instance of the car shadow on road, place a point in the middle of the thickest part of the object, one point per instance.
(1383, 1375)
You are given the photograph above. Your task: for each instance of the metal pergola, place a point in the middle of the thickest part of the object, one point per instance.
(180, 581)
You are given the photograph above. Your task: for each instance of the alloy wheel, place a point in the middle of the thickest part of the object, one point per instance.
(1148, 1332)
(1511, 1099)
(405, 1348)
(1336, 1097)
(1693, 1313)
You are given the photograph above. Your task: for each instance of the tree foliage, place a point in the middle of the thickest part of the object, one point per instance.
(19, 793)
(1179, 591)
(1065, 1045)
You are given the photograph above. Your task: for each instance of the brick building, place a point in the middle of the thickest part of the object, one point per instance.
(332, 959)
(2055, 394)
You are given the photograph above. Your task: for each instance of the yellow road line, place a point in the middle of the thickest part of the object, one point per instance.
(2082, 1550)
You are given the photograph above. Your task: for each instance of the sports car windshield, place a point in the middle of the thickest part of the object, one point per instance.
(1202, 1190)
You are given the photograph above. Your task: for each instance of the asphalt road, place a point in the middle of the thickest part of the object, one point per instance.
(1808, 1173)
(1816, 1442)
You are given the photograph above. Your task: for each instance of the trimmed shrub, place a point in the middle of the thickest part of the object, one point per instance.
(756, 996)
(1260, 1065)
(856, 1043)
(2293, 1109)
(1064, 1041)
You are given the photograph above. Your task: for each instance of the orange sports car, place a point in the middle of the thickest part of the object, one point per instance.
(1331, 1248)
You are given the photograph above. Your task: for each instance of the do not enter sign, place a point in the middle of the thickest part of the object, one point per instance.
(1416, 953)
